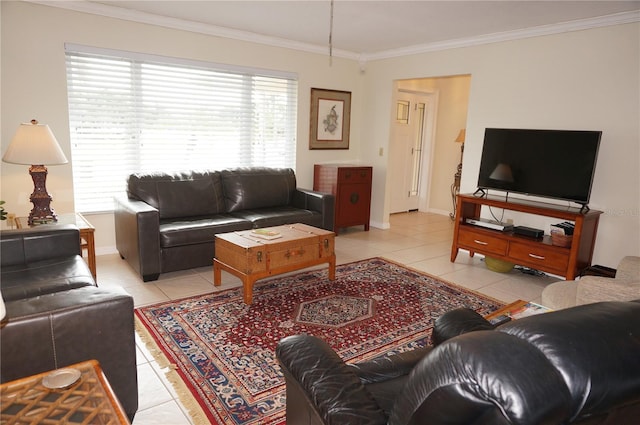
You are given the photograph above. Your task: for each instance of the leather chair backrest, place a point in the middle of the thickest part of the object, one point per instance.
(579, 365)
(257, 187)
(595, 347)
(187, 194)
(25, 246)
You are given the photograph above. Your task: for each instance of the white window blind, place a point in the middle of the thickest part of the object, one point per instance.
(132, 113)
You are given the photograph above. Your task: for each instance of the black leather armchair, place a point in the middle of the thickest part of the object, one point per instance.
(57, 316)
(575, 366)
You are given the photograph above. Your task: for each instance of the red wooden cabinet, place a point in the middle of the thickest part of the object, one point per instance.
(351, 186)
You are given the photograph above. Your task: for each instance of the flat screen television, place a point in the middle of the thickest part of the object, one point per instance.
(557, 164)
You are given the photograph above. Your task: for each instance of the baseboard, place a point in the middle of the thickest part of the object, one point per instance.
(106, 250)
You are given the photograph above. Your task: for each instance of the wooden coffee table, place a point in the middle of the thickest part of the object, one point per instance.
(250, 257)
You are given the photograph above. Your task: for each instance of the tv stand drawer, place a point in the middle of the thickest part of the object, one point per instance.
(482, 242)
(539, 256)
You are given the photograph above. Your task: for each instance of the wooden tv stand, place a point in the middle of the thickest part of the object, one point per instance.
(539, 254)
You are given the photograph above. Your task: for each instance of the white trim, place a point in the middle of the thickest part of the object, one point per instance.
(362, 58)
(582, 24)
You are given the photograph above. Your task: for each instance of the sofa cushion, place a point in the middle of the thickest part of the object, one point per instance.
(257, 187)
(199, 230)
(277, 216)
(23, 281)
(187, 194)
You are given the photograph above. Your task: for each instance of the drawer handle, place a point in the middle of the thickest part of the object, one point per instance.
(347, 174)
(354, 198)
(293, 253)
(480, 242)
(363, 174)
(259, 256)
(326, 244)
(537, 257)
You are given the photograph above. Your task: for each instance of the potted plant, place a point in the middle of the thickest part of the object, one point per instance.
(3, 213)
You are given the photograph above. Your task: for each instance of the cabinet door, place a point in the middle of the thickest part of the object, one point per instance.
(354, 200)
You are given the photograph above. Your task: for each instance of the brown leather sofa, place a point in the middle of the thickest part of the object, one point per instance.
(168, 222)
(575, 366)
(57, 316)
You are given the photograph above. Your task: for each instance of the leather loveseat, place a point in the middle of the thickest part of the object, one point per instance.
(575, 366)
(168, 222)
(57, 316)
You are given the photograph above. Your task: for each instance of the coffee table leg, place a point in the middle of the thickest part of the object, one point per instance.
(247, 286)
(332, 268)
(217, 273)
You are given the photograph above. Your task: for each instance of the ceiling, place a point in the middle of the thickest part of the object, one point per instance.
(367, 29)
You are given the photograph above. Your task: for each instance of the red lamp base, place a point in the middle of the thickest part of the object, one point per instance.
(41, 200)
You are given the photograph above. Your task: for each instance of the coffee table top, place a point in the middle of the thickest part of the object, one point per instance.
(273, 235)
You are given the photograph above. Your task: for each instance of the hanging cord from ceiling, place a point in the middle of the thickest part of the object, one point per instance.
(331, 36)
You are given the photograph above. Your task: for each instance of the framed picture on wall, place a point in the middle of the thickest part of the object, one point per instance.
(330, 119)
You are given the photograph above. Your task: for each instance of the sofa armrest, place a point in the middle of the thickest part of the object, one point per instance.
(82, 324)
(597, 288)
(629, 268)
(137, 226)
(324, 203)
(321, 388)
(457, 322)
(30, 245)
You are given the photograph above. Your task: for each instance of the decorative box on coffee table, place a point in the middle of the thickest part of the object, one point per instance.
(256, 254)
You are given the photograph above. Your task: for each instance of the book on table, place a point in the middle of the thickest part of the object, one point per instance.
(518, 310)
(266, 234)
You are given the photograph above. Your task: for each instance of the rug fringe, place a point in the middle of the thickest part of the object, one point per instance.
(189, 402)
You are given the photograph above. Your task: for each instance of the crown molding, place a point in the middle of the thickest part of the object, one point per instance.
(362, 58)
(578, 25)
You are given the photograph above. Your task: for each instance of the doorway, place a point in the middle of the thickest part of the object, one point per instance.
(446, 101)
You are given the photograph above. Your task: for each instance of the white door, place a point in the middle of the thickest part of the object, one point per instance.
(406, 152)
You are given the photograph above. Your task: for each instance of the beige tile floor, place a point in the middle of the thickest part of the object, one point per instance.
(419, 240)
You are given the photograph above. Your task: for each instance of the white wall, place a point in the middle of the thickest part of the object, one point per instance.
(587, 80)
(579, 80)
(34, 86)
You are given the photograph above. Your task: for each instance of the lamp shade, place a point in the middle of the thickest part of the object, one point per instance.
(34, 144)
(461, 136)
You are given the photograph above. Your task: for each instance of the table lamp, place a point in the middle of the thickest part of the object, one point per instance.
(34, 144)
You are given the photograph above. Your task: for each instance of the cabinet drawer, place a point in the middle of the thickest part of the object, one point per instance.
(544, 255)
(354, 175)
(482, 242)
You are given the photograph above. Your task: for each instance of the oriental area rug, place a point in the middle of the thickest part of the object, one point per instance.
(223, 351)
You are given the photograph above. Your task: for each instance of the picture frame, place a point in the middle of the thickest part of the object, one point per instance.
(330, 119)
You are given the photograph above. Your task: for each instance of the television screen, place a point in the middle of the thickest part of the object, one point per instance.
(548, 163)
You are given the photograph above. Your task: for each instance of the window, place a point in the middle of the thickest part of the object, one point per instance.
(132, 113)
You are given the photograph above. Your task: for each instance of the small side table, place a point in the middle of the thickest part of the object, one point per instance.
(89, 400)
(87, 239)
